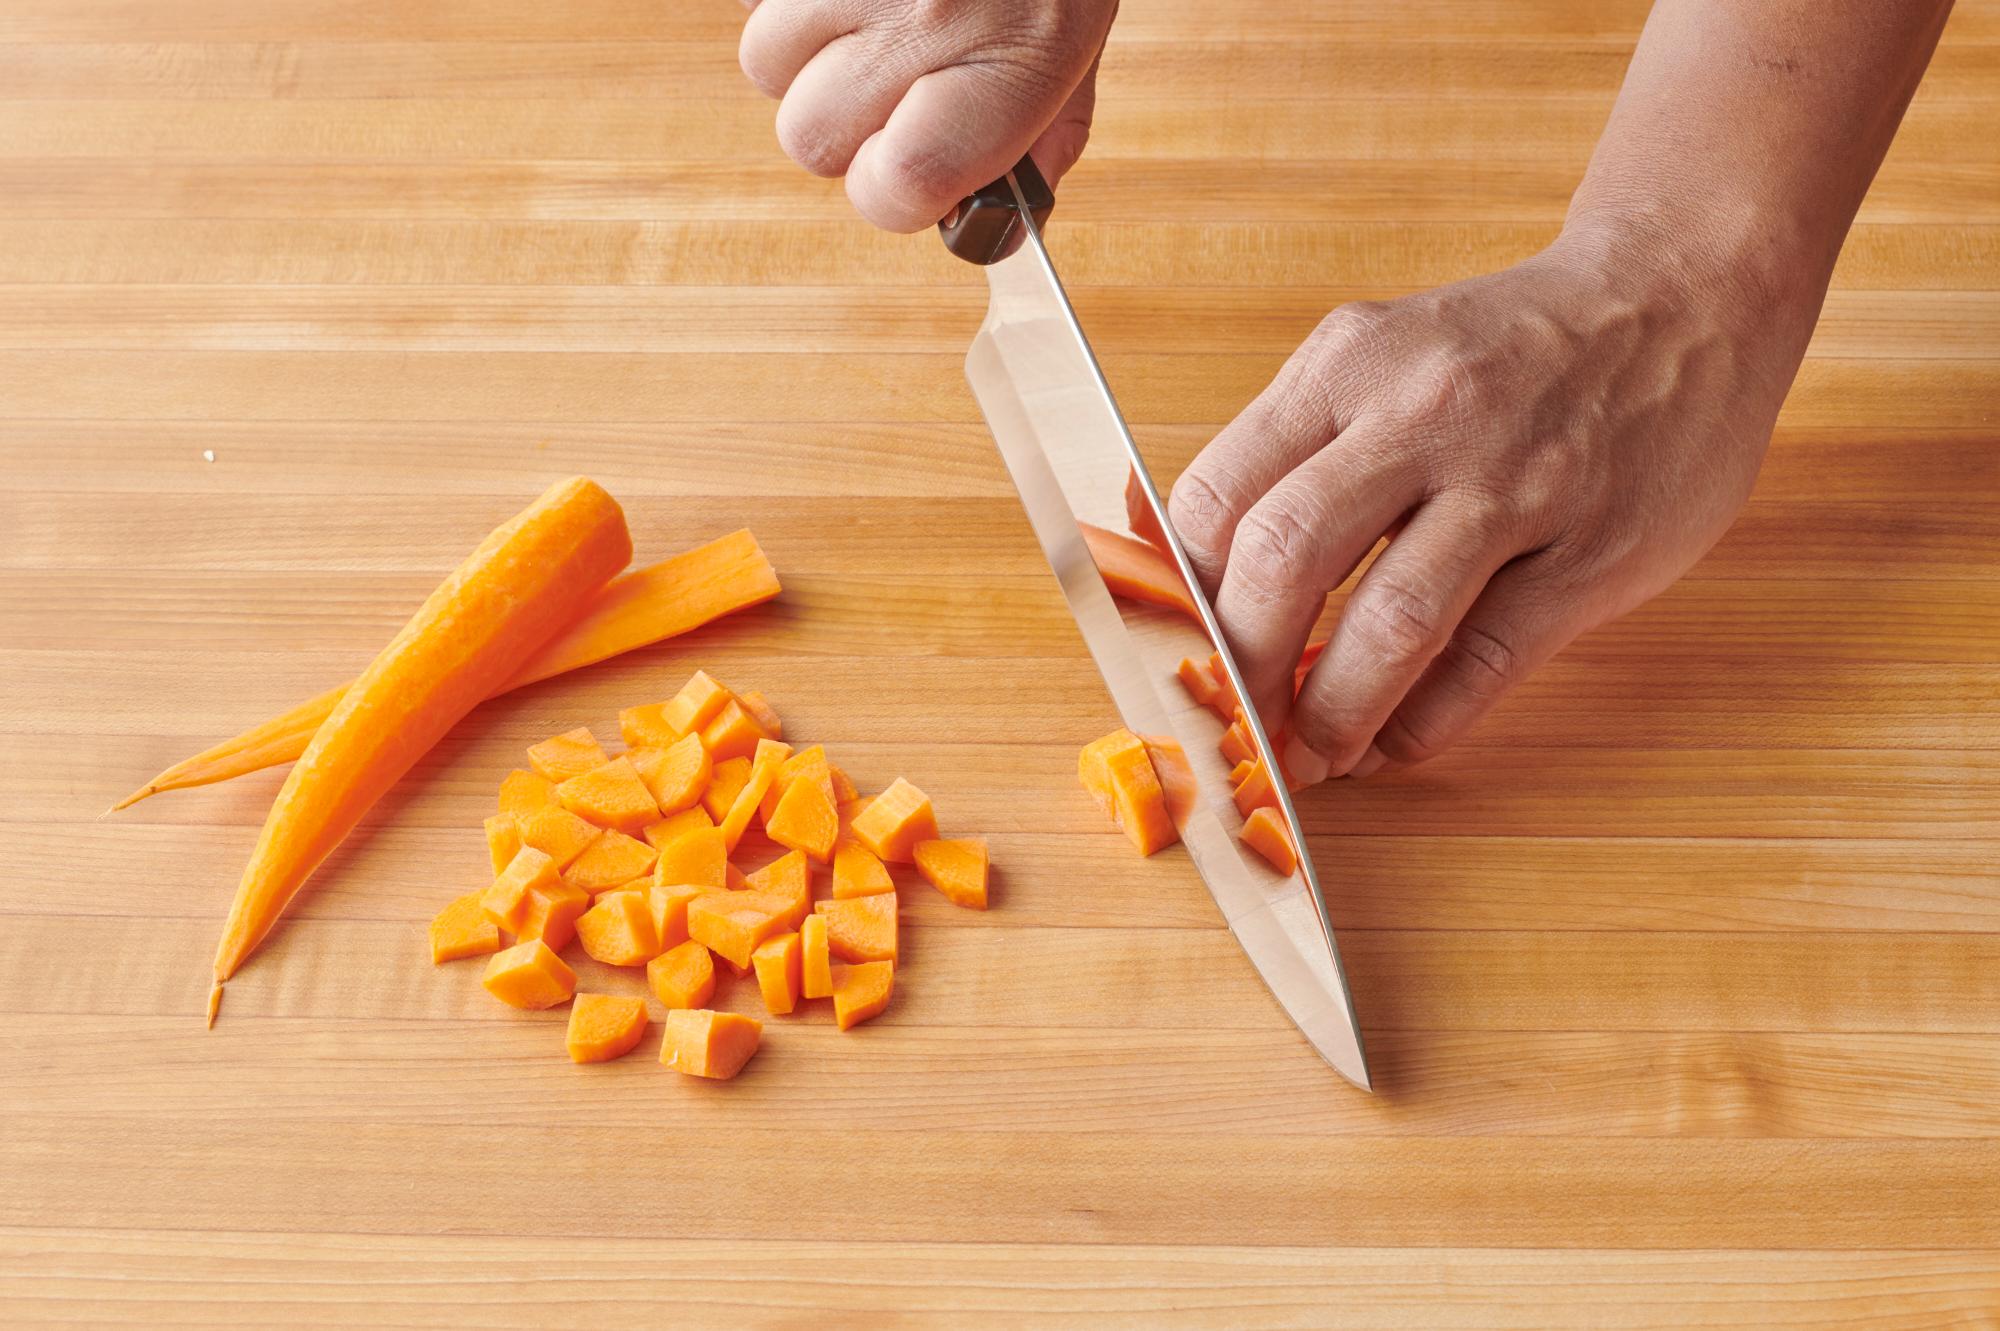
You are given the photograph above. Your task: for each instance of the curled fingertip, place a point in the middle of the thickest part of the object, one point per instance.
(1369, 763)
(1302, 764)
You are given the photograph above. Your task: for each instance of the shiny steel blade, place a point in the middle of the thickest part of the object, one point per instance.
(1066, 444)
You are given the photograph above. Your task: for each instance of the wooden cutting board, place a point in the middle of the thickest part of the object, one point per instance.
(1681, 978)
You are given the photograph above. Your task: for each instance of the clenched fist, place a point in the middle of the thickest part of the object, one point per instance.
(920, 102)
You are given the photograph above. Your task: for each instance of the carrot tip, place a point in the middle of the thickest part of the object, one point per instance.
(141, 793)
(214, 1003)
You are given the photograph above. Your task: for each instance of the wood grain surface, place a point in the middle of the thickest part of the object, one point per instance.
(1681, 978)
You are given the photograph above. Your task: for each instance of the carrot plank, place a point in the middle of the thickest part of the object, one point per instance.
(512, 595)
(641, 607)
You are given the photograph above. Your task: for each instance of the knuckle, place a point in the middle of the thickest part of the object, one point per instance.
(1411, 736)
(1327, 729)
(1479, 663)
(1398, 621)
(809, 141)
(921, 180)
(1350, 325)
(1274, 543)
(1200, 514)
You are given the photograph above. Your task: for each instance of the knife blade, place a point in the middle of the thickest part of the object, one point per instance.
(1066, 444)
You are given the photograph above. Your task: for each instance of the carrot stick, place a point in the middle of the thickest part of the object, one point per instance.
(644, 606)
(509, 598)
(1137, 571)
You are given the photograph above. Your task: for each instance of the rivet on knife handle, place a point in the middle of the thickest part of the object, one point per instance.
(983, 228)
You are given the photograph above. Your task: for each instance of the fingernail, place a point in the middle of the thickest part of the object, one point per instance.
(1371, 762)
(1303, 765)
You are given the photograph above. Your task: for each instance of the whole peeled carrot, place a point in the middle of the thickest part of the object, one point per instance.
(631, 611)
(520, 587)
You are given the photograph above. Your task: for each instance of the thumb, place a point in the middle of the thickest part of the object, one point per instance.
(1062, 143)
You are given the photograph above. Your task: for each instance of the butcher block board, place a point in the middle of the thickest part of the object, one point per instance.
(1681, 978)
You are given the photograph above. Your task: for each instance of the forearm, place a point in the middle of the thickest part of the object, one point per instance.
(1747, 133)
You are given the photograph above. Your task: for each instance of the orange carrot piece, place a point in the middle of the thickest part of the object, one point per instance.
(530, 976)
(805, 821)
(815, 959)
(770, 756)
(551, 913)
(842, 786)
(1237, 746)
(1176, 775)
(503, 838)
(733, 879)
(677, 775)
(670, 828)
(611, 795)
(603, 1027)
(810, 763)
(618, 929)
(1137, 571)
(524, 792)
(850, 810)
(669, 907)
(646, 727)
(1196, 679)
(569, 754)
(510, 596)
(506, 900)
(731, 924)
(732, 734)
(1118, 772)
(462, 930)
(1264, 832)
(1255, 791)
(683, 976)
(861, 929)
(787, 879)
(1139, 514)
(955, 868)
(857, 872)
(776, 961)
(696, 704)
(709, 1044)
(609, 861)
(725, 783)
(762, 713)
(643, 606)
(895, 821)
(1242, 769)
(558, 833)
(861, 992)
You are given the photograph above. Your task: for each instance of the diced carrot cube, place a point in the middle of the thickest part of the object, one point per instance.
(462, 929)
(557, 833)
(506, 901)
(805, 820)
(702, 1043)
(503, 838)
(1264, 831)
(677, 775)
(815, 959)
(808, 763)
(731, 924)
(659, 834)
(1093, 766)
(525, 792)
(604, 1026)
(529, 976)
(1118, 772)
(567, 755)
(1255, 791)
(611, 795)
(762, 713)
(647, 727)
(696, 704)
(725, 783)
(955, 868)
(1176, 776)
(843, 787)
(770, 756)
(777, 960)
(787, 879)
(669, 906)
(612, 859)
(732, 734)
(1241, 770)
(1197, 680)
(895, 821)
(682, 976)
(861, 992)
(618, 929)
(857, 872)
(698, 858)
(1237, 746)
(733, 879)
(850, 810)
(861, 929)
(551, 913)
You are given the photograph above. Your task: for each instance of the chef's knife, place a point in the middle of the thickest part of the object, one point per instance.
(1066, 444)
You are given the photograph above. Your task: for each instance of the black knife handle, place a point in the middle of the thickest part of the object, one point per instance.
(985, 228)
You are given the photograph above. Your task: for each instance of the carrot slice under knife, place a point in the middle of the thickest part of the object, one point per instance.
(643, 606)
(512, 595)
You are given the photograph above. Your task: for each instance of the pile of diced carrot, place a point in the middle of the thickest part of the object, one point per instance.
(632, 858)
(1134, 780)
